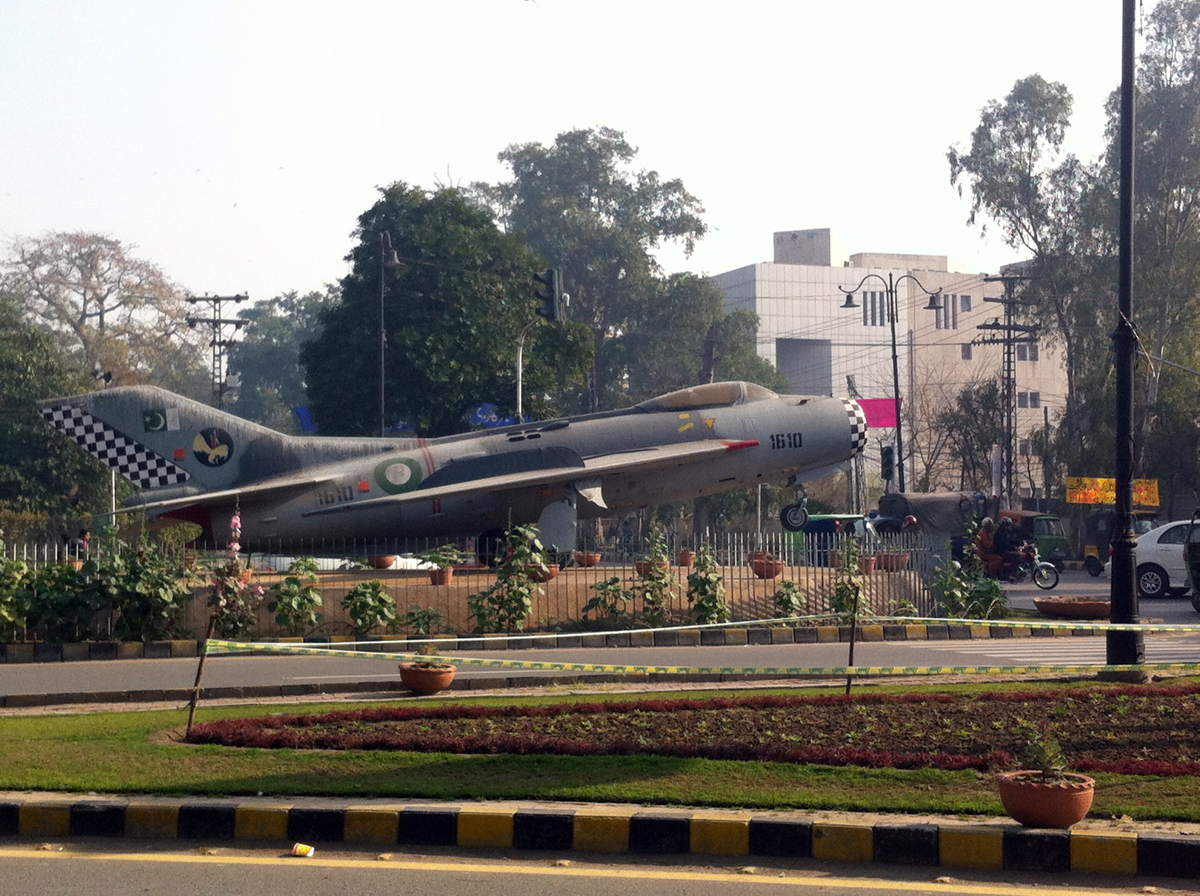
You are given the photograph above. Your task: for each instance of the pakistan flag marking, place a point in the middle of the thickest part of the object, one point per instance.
(154, 420)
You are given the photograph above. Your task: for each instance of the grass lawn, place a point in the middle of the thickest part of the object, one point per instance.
(139, 752)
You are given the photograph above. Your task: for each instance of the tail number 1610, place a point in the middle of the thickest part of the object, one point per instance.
(786, 440)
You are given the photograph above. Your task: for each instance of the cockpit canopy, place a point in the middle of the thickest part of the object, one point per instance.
(708, 395)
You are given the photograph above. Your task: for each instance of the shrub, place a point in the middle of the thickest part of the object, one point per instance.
(146, 588)
(295, 600)
(706, 588)
(370, 605)
(506, 605)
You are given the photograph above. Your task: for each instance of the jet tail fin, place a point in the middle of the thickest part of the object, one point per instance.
(161, 441)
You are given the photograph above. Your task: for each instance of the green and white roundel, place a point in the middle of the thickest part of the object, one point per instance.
(400, 474)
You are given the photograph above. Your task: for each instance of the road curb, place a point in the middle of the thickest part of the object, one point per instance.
(601, 829)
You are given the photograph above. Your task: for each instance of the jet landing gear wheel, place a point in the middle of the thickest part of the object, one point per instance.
(794, 516)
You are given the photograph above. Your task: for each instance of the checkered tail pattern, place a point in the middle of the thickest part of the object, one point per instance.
(133, 461)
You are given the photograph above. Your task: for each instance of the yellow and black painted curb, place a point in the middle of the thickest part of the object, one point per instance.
(603, 829)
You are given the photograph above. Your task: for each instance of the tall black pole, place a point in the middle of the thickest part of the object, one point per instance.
(384, 239)
(893, 313)
(1125, 648)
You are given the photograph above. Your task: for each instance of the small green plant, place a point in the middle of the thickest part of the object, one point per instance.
(506, 605)
(789, 600)
(429, 660)
(706, 588)
(146, 587)
(422, 620)
(656, 547)
(295, 600)
(444, 556)
(848, 583)
(655, 584)
(59, 602)
(370, 606)
(963, 590)
(1042, 751)
(13, 604)
(610, 602)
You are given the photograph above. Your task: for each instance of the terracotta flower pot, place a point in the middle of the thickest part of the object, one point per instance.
(539, 575)
(766, 569)
(424, 679)
(687, 558)
(384, 561)
(441, 576)
(892, 561)
(586, 558)
(1037, 804)
(866, 564)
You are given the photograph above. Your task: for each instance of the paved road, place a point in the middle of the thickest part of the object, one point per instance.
(226, 671)
(119, 867)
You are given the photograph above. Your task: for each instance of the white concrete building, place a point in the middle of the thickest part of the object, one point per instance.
(826, 349)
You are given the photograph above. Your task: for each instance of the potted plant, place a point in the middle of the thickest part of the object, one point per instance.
(443, 559)
(687, 557)
(766, 566)
(428, 675)
(892, 559)
(656, 554)
(586, 558)
(1044, 794)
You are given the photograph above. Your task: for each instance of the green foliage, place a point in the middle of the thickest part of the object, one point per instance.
(656, 586)
(963, 590)
(848, 583)
(234, 596)
(370, 606)
(59, 603)
(295, 600)
(610, 602)
(706, 588)
(266, 356)
(789, 600)
(454, 310)
(146, 588)
(422, 621)
(506, 605)
(443, 556)
(1042, 751)
(13, 595)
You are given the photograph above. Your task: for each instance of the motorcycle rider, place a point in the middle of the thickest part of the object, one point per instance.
(1008, 543)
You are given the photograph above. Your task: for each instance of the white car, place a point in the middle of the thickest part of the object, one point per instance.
(1160, 564)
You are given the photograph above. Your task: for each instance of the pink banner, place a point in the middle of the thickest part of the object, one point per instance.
(881, 412)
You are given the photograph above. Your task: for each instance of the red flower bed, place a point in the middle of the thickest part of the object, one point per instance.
(1127, 730)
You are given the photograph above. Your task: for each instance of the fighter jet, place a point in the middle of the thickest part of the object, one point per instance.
(195, 463)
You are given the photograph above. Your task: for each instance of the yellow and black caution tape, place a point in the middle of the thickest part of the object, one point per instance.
(218, 646)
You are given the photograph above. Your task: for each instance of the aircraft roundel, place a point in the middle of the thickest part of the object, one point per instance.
(212, 446)
(400, 474)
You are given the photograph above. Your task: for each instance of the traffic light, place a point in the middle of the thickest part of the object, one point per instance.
(887, 463)
(549, 292)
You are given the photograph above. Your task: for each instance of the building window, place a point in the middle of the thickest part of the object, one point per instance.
(874, 309)
(966, 351)
(1035, 399)
(1025, 448)
(965, 302)
(1027, 351)
(1022, 399)
(946, 316)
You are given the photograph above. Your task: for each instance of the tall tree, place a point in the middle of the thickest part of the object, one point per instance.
(455, 310)
(974, 425)
(41, 471)
(266, 357)
(112, 310)
(577, 204)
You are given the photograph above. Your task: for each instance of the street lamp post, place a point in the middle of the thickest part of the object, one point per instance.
(387, 259)
(892, 313)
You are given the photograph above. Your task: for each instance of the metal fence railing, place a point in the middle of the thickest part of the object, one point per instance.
(894, 574)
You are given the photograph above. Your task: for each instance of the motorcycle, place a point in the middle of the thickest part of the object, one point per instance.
(1031, 566)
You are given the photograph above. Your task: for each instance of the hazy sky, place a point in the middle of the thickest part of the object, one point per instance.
(236, 143)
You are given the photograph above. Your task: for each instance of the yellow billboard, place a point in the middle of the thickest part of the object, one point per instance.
(1087, 490)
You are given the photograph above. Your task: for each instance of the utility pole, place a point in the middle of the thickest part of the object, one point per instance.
(219, 341)
(1009, 334)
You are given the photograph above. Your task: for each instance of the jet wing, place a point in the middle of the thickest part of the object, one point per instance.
(267, 488)
(642, 460)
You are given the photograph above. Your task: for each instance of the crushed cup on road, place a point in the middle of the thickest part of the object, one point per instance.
(303, 850)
